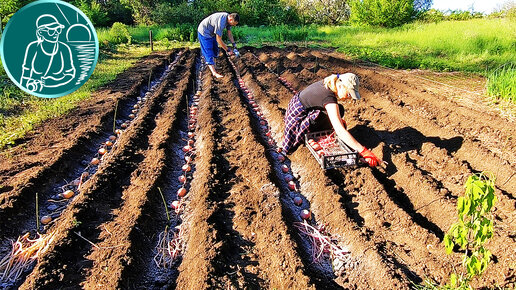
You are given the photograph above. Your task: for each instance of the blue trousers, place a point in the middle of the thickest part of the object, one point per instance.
(209, 48)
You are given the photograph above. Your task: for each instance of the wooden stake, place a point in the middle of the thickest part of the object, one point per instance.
(150, 39)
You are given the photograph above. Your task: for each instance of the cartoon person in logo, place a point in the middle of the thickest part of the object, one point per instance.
(48, 62)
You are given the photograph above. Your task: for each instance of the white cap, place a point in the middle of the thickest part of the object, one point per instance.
(351, 82)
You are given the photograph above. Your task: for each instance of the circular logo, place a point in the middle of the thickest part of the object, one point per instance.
(49, 48)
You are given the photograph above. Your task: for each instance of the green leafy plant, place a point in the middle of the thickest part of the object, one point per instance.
(119, 33)
(474, 228)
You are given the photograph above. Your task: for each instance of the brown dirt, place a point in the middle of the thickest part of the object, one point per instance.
(239, 218)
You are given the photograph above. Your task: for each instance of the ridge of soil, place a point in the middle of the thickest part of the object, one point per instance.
(239, 218)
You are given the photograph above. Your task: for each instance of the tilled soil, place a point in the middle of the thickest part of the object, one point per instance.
(239, 222)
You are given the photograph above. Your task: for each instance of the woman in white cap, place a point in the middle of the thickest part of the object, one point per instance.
(318, 107)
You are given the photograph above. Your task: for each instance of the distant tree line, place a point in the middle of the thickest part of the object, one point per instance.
(385, 13)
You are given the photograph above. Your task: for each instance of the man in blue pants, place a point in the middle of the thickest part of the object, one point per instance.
(210, 32)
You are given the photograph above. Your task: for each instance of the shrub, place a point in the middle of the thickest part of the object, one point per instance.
(119, 34)
(284, 33)
(182, 13)
(501, 83)
(384, 13)
(432, 15)
(181, 32)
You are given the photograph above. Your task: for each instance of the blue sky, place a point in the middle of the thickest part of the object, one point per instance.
(484, 6)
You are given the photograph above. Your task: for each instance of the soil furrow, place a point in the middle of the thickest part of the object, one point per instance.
(404, 143)
(231, 266)
(487, 148)
(78, 226)
(140, 200)
(488, 130)
(201, 238)
(426, 209)
(58, 151)
(235, 204)
(258, 212)
(325, 198)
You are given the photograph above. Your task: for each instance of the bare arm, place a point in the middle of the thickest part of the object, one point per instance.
(221, 42)
(230, 37)
(342, 133)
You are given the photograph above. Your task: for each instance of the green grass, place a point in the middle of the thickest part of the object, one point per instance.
(20, 112)
(501, 82)
(257, 36)
(140, 34)
(477, 45)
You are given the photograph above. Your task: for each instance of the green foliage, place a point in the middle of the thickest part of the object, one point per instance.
(456, 283)
(119, 34)
(116, 12)
(432, 15)
(257, 36)
(7, 9)
(383, 13)
(463, 15)
(260, 12)
(141, 10)
(20, 112)
(329, 12)
(501, 82)
(283, 33)
(475, 226)
(182, 13)
(181, 32)
(97, 15)
(508, 10)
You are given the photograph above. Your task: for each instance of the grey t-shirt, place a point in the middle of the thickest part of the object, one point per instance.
(316, 96)
(214, 24)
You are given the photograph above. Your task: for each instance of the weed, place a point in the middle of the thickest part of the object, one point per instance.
(475, 225)
(76, 223)
(474, 228)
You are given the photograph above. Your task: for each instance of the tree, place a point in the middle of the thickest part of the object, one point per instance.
(141, 9)
(422, 5)
(95, 12)
(321, 11)
(331, 11)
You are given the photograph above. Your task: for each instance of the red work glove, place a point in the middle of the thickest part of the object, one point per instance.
(370, 158)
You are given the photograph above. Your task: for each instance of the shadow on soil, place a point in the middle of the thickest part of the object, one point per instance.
(403, 140)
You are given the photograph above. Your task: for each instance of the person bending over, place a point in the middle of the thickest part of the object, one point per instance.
(319, 107)
(210, 32)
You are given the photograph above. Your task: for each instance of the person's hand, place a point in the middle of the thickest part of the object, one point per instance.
(229, 51)
(370, 158)
(43, 80)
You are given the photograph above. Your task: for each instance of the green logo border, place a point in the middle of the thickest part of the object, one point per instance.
(2, 43)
